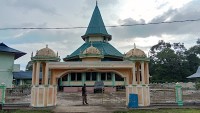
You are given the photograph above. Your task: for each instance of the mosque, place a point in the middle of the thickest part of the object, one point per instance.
(95, 60)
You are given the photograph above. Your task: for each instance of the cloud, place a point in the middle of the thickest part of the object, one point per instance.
(67, 13)
(29, 5)
(189, 11)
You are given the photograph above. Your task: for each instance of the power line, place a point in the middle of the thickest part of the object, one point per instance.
(123, 25)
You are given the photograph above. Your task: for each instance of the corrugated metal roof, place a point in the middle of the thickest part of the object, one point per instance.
(5, 48)
(195, 75)
(106, 49)
(24, 75)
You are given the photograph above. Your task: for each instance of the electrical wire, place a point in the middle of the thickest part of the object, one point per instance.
(123, 25)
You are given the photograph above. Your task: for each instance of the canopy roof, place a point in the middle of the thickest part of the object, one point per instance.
(5, 48)
(24, 75)
(96, 25)
(196, 75)
(106, 49)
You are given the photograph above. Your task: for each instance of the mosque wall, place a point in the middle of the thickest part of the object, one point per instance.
(6, 68)
(96, 38)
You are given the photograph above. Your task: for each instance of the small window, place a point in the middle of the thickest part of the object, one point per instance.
(109, 76)
(79, 76)
(103, 76)
(87, 76)
(73, 77)
(118, 78)
(94, 76)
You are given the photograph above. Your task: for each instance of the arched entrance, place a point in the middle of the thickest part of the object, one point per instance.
(73, 80)
(45, 94)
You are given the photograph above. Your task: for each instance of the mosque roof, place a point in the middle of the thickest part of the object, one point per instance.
(195, 75)
(46, 54)
(91, 50)
(106, 49)
(135, 53)
(96, 25)
(5, 48)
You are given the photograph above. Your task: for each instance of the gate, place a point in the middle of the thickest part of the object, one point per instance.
(113, 99)
(20, 94)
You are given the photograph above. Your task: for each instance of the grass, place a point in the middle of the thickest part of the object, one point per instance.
(162, 111)
(129, 111)
(27, 111)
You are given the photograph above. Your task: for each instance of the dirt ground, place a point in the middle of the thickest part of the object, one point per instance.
(108, 102)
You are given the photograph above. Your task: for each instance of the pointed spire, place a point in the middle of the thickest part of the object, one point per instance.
(96, 25)
(96, 3)
(47, 46)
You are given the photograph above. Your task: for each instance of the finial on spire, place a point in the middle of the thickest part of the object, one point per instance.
(32, 54)
(47, 46)
(96, 3)
(57, 53)
(134, 46)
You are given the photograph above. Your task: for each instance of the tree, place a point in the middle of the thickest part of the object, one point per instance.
(192, 56)
(168, 62)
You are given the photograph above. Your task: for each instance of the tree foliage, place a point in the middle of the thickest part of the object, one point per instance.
(172, 62)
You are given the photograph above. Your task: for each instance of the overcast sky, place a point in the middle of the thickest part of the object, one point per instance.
(75, 13)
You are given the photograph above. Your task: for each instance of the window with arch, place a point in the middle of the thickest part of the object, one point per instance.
(65, 77)
(118, 78)
(106, 76)
(76, 76)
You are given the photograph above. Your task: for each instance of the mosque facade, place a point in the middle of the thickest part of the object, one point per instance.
(96, 47)
(95, 60)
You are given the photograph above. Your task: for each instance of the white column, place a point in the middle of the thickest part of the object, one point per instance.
(142, 72)
(147, 68)
(43, 72)
(46, 74)
(134, 77)
(33, 74)
(37, 73)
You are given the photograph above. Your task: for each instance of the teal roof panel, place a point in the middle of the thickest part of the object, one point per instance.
(106, 49)
(96, 25)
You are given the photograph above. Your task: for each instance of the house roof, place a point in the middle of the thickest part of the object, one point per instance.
(5, 48)
(106, 49)
(96, 25)
(195, 75)
(24, 75)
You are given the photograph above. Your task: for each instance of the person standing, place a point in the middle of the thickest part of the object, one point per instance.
(84, 94)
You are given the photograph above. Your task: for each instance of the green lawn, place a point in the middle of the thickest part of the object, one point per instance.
(27, 111)
(162, 111)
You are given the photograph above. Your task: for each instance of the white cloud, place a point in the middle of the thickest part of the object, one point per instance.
(70, 13)
(148, 9)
